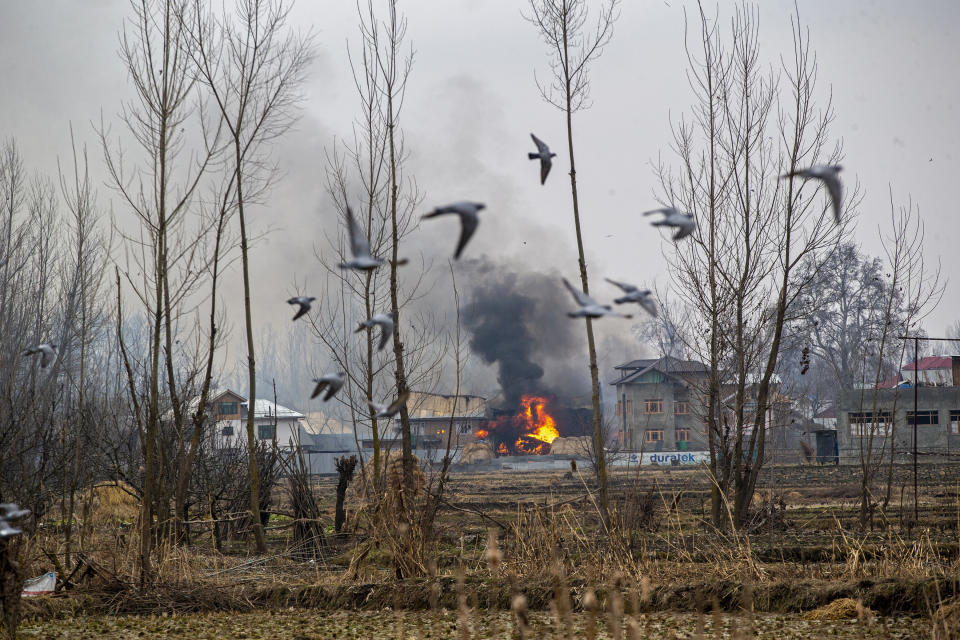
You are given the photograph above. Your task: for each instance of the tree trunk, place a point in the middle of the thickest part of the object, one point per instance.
(598, 443)
(258, 534)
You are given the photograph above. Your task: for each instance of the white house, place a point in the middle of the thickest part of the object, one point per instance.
(229, 412)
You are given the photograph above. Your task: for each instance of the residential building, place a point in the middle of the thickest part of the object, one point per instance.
(882, 418)
(931, 371)
(229, 410)
(660, 404)
(431, 415)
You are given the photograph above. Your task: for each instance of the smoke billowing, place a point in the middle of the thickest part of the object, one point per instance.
(518, 322)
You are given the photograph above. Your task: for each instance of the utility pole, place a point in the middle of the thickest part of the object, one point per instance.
(916, 414)
(916, 385)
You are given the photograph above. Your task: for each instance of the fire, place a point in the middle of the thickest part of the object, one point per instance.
(529, 432)
(539, 426)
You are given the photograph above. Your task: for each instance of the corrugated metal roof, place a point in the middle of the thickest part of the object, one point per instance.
(267, 409)
(668, 365)
(637, 364)
(931, 362)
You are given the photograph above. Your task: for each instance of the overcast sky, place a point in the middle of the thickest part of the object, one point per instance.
(472, 102)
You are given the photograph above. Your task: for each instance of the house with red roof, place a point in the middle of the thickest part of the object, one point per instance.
(884, 417)
(934, 371)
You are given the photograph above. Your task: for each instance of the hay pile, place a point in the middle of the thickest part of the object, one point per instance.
(840, 609)
(572, 446)
(110, 502)
(477, 452)
(395, 474)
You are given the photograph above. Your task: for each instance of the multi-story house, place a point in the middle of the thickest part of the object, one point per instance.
(228, 411)
(884, 417)
(660, 405)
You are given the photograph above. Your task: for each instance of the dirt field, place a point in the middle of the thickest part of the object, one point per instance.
(665, 565)
(304, 625)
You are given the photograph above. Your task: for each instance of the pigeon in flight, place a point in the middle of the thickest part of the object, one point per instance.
(360, 247)
(10, 512)
(681, 220)
(48, 353)
(385, 321)
(643, 297)
(588, 306)
(304, 302)
(468, 220)
(829, 175)
(6, 531)
(332, 382)
(383, 411)
(543, 154)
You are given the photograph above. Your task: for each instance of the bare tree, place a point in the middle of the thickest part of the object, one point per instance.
(573, 46)
(159, 194)
(749, 126)
(252, 67)
(914, 291)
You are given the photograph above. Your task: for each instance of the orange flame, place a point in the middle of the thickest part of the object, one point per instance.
(481, 434)
(502, 450)
(540, 427)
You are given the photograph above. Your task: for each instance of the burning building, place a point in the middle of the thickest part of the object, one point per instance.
(514, 325)
(530, 430)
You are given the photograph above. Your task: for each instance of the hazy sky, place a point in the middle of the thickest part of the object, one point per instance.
(472, 102)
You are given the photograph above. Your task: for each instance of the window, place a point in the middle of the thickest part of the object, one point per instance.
(465, 427)
(863, 423)
(924, 417)
(227, 408)
(654, 435)
(653, 406)
(266, 431)
(618, 407)
(683, 435)
(955, 422)
(227, 432)
(681, 407)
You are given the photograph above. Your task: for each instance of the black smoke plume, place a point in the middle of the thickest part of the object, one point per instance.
(518, 322)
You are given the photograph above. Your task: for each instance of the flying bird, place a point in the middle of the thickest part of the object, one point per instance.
(11, 512)
(6, 531)
(543, 154)
(48, 353)
(829, 175)
(385, 321)
(304, 302)
(468, 220)
(359, 247)
(682, 221)
(332, 382)
(588, 306)
(384, 411)
(643, 297)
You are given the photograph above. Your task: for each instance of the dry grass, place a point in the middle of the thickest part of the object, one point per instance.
(549, 554)
(839, 609)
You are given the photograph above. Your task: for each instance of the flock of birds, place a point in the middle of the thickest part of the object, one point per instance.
(468, 212)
